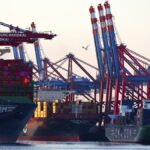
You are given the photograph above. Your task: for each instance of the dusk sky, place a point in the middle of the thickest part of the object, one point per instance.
(70, 19)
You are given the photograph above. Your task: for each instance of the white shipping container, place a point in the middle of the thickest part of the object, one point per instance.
(48, 95)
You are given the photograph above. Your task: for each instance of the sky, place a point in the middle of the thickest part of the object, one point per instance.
(70, 20)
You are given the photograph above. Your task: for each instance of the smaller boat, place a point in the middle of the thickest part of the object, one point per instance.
(131, 125)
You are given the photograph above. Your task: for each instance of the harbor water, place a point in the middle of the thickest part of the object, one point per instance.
(28, 145)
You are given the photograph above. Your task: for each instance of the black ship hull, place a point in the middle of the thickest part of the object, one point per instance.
(128, 133)
(62, 130)
(16, 98)
(133, 127)
(13, 118)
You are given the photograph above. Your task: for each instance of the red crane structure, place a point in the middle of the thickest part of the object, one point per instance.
(62, 75)
(127, 74)
(17, 36)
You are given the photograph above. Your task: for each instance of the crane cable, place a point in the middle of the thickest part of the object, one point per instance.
(116, 31)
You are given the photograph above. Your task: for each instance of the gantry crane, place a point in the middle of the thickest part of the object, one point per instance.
(124, 75)
(17, 36)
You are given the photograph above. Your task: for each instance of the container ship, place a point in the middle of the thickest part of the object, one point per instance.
(16, 98)
(130, 125)
(58, 120)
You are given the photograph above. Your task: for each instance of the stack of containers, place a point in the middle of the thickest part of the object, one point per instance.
(44, 109)
(89, 107)
(41, 110)
(37, 112)
(54, 106)
(15, 78)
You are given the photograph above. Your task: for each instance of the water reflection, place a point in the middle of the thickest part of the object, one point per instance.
(40, 145)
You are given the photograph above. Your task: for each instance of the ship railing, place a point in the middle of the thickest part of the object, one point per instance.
(80, 116)
(119, 125)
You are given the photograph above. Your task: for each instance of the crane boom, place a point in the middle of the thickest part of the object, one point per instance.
(98, 46)
(11, 27)
(29, 35)
(112, 36)
(105, 40)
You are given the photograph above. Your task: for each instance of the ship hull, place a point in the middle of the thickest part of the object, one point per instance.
(62, 130)
(128, 133)
(16, 98)
(13, 122)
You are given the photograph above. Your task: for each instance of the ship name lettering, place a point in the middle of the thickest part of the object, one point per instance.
(3, 109)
